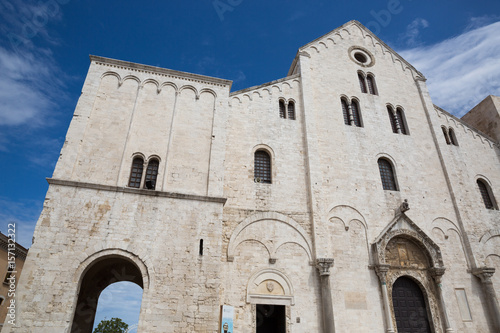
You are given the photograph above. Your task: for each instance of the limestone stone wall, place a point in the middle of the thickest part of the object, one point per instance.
(181, 288)
(262, 241)
(125, 111)
(486, 117)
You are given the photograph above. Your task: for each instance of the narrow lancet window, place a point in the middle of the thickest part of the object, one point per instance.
(282, 109)
(136, 172)
(262, 167)
(151, 174)
(291, 110)
(387, 175)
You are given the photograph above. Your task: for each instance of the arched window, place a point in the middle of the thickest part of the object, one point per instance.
(291, 110)
(356, 114)
(362, 82)
(453, 138)
(445, 133)
(282, 109)
(387, 175)
(262, 167)
(372, 89)
(392, 119)
(151, 173)
(400, 117)
(486, 194)
(345, 111)
(136, 172)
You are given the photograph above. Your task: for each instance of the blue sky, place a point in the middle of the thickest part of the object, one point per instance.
(44, 48)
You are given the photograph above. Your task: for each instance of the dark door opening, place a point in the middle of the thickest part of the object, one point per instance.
(409, 307)
(271, 318)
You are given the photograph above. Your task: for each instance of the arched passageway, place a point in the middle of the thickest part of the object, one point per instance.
(98, 276)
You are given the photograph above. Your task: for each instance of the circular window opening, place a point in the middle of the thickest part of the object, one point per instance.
(360, 57)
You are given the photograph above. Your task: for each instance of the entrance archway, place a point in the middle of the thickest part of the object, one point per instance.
(410, 307)
(100, 274)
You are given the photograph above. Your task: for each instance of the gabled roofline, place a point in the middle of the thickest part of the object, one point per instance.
(466, 124)
(362, 27)
(160, 70)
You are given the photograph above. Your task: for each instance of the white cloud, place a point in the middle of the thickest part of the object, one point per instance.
(23, 88)
(31, 83)
(411, 36)
(461, 71)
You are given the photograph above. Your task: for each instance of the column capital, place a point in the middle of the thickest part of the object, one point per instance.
(437, 273)
(323, 265)
(484, 273)
(381, 271)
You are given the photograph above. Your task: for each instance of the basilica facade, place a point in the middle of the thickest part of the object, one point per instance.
(336, 199)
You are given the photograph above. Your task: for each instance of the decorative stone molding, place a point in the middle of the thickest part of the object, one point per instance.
(323, 265)
(152, 70)
(270, 286)
(402, 226)
(381, 271)
(437, 273)
(484, 273)
(251, 229)
(403, 249)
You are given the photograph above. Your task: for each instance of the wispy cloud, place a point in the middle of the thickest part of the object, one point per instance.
(32, 90)
(27, 87)
(31, 84)
(23, 214)
(412, 33)
(296, 15)
(463, 70)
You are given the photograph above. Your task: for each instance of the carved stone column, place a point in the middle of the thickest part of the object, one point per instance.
(382, 270)
(437, 274)
(351, 116)
(323, 265)
(485, 274)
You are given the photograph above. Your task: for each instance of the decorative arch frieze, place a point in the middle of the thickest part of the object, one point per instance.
(272, 230)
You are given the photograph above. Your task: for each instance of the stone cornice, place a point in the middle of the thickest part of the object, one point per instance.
(160, 71)
(466, 124)
(173, 195)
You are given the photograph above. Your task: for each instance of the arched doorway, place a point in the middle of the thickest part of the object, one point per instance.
(100, 274)
(409, 306)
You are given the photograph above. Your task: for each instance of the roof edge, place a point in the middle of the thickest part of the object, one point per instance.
(160, 70)
(361, 26)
